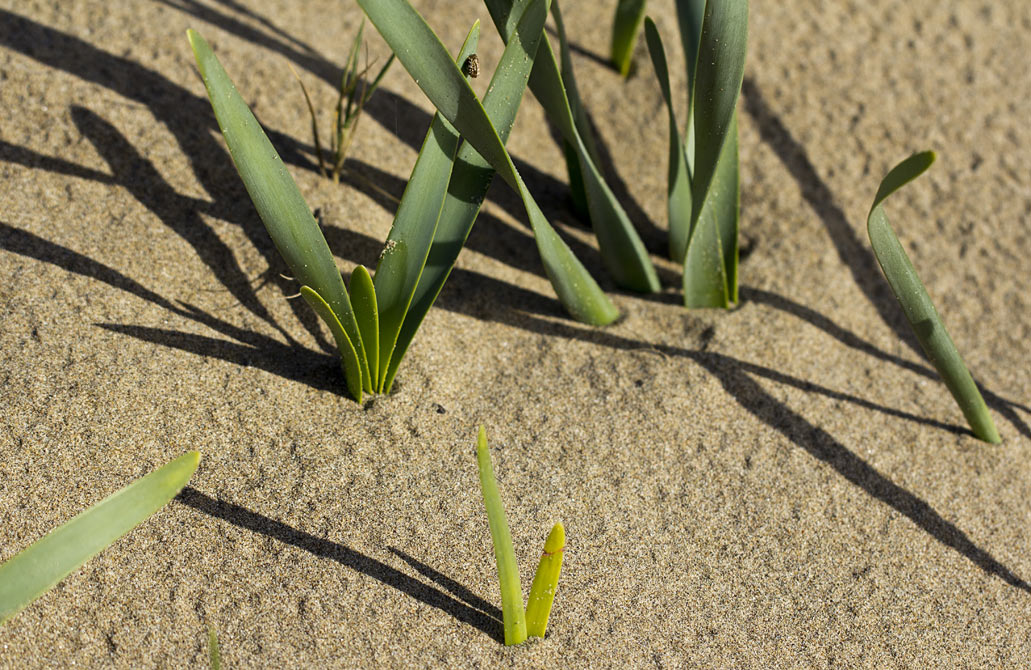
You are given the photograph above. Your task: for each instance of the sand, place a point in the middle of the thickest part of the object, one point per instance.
(782, 485)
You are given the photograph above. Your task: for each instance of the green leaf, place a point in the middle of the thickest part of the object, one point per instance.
(508, 571)
(917, 305)
(349, 360)
(679, 184)
(545, 583)
(625, 25)
(214, 654)
(32, 572)
(363, 299)
(425, 58)
(415, 227)
(278, 200)
(690, 14)
(621, 248)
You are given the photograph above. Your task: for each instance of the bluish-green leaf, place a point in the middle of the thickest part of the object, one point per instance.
(415, 227)
(278, 200)
(33, 571)
(690, 14)
(504, 554)
(625, 25)
(917, 305)
(348, 359)
(678, 181)
(363, 300)
(425, 58)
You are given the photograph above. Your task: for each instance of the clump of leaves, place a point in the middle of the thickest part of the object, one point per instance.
(917, 305)
(36, 569)
(703, 169)
(353, 93)
(533, 621)
(625, 25)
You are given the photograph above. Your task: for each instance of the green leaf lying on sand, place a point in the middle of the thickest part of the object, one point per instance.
(533, 621)
(32, 572)
(917, 305)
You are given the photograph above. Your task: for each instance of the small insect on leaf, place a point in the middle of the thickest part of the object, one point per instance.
(471, 66)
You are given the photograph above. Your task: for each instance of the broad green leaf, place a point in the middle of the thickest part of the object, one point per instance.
(679, 184)
(415, 224)
(470, 180)
(32, 572)
(917, 305)
(278, 200)
(545, 583)
(425, 58)
(504, 554)
(348, 360)
(363, 300)
(621, 247)
(625, 25)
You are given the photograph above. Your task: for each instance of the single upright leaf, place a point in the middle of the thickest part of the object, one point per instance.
(504, 554)
(404, 256)
(363, 300)
(278, 200)
(625, 25)
(690, 14)
(214, 654)
(545, 583)
(425, 58)
(917, 305)
(32, 572)
(679, 184)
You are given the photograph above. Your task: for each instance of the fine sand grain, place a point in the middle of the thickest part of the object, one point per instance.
(783, 485)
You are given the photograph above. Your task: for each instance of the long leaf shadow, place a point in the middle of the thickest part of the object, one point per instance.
(456, 589)
(241, 517)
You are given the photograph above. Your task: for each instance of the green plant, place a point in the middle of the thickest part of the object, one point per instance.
(533, 621)
(625, 24)
(484, 127)
(356, 91)
(36, 569)
(703, 170)
(214, 653)
(916, 303)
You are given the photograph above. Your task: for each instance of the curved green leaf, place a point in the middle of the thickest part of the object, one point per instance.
(348, 359)
(679, 184)
(917, 305)
(545, 583)
(276, 197)
(690, 14)
(425, 58)
(32, 572)
(504, 554)
(363, 300)
(625, 25)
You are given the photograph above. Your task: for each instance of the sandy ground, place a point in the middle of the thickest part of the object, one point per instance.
(785, 484)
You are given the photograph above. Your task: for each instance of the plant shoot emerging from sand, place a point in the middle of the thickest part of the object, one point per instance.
(916, 303)
(703, 170)
(625, 24)
(533, 621)
(36, 569)
(355, 90)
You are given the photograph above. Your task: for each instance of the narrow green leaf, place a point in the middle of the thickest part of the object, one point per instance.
(278, 200)
(690, 14)
(545, 583)
(425, 58)
(363, 300)
(725, 198)
(214, 654)
(348, 359)
(577, 191)
(415, 225)
(621, 248)
(679, 185)
(625, 25)
(504, 554)
(32, 572)
(917, 305)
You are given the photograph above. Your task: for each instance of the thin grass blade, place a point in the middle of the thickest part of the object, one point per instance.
(678, 184)
(352, 372)
(917, 305)
(278, 200)
(32, 572)
(314, 121)
(422, 54)
(625, 25)
(508, 571)
(621, 247)
(415, 225)
(363, 299)
(545, 583)
(214, 653)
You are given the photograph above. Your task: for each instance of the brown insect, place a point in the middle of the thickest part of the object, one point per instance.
(471, 66)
